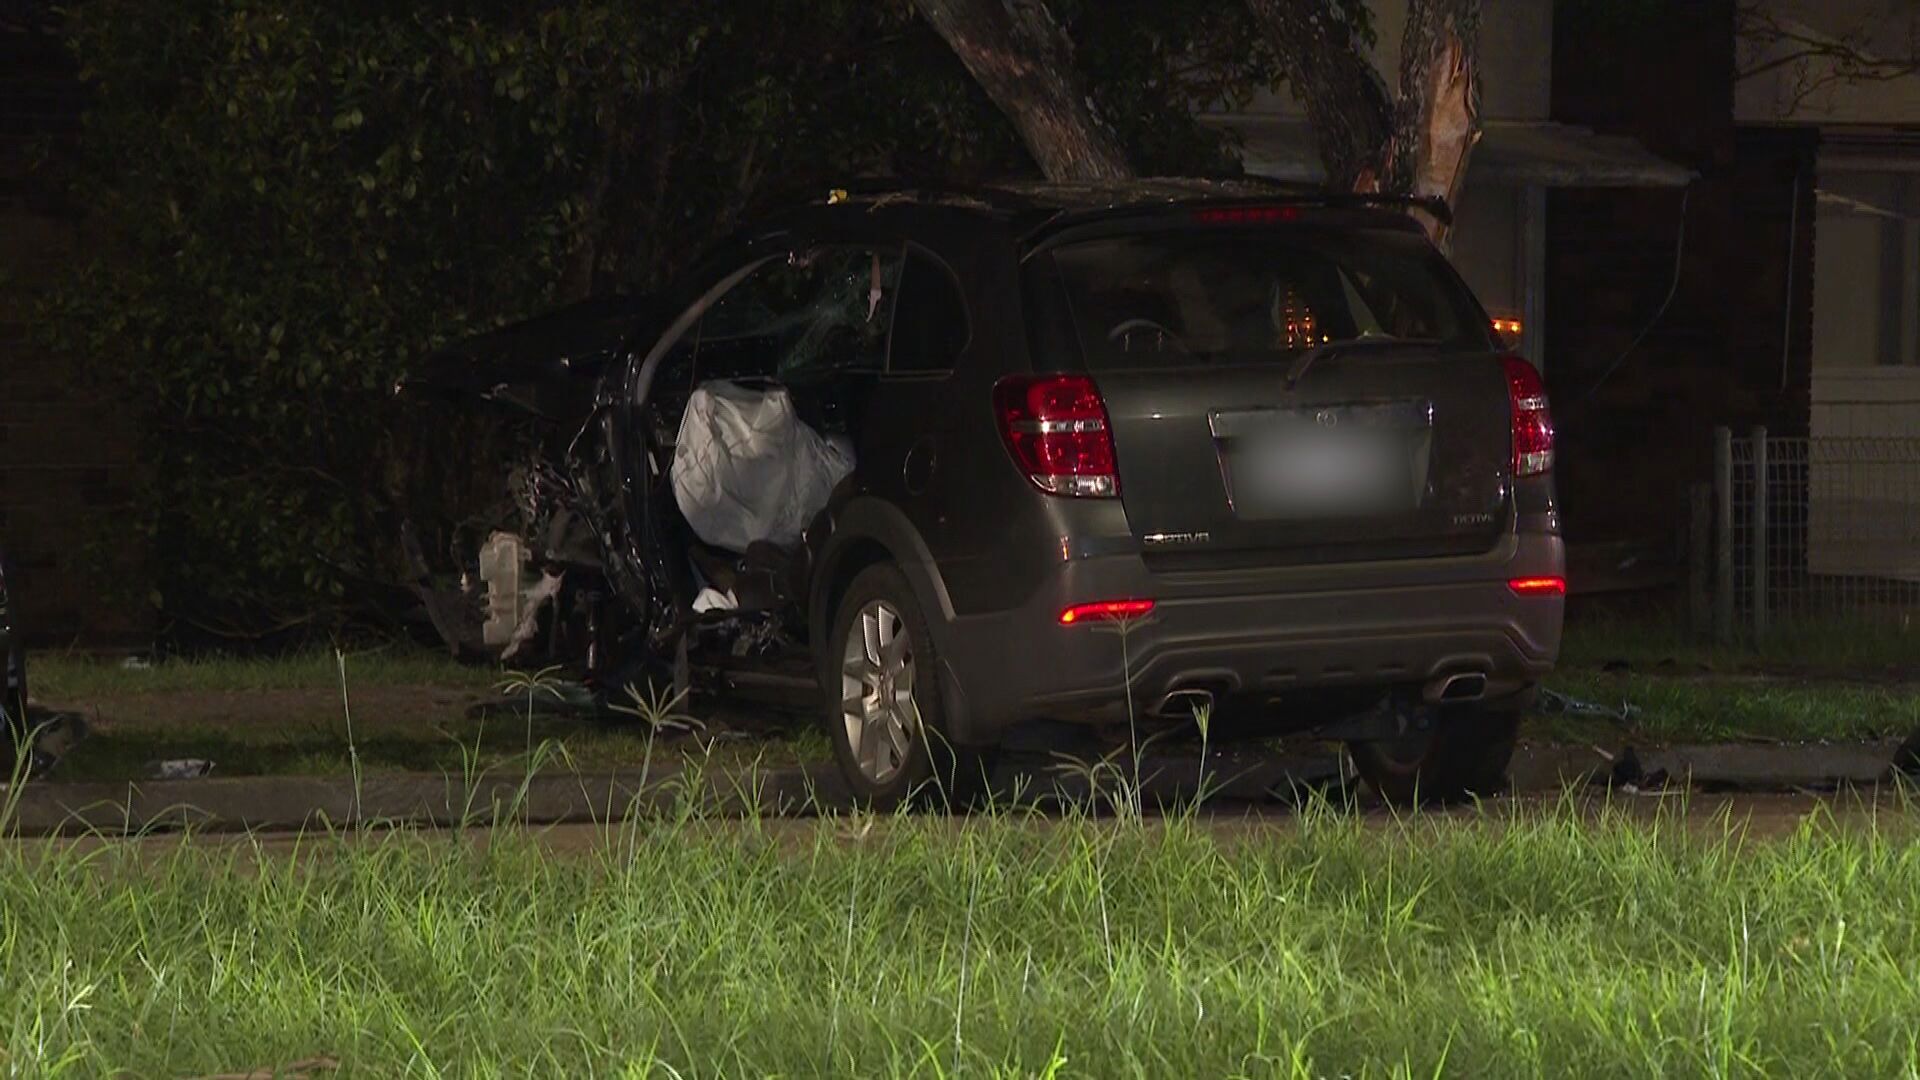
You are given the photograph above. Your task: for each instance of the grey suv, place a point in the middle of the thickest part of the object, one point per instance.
(1148, 449)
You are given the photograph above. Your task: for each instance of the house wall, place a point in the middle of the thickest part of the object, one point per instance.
(1863, 498)
(1863, 506)
(1642, 362)
(1864, 503)
(1486, 242)
(1864, 304)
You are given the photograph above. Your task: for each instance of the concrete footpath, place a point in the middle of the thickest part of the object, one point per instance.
(294, 802)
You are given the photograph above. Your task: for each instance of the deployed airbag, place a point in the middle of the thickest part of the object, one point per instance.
(746, 468)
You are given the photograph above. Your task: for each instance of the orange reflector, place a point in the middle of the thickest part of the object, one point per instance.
(1106, 610)
(1538, 586)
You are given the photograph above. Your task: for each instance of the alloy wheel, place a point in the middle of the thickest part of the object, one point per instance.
(876, 689)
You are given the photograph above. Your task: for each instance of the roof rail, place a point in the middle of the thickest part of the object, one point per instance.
(869, 188)
(1295, 191)
(1008, 196)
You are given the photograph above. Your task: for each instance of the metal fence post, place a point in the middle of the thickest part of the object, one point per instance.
(1759, 545)
(1723, 535)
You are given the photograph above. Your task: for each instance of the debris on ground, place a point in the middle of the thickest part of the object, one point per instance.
(1906, 758)
(1632, 778)
(1555, 702)
(179, 769)
(55, 734)
(136, 663)
(559, 698)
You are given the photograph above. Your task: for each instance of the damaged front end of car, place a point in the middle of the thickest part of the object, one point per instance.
(539, 570)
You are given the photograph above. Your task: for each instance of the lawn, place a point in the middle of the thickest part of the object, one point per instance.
(405, 712)
(69, 676)
(1525, 942)
(1670, 710)
(415, 711)
(1658, 641)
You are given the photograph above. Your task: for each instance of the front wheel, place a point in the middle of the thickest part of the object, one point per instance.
(1463, 754)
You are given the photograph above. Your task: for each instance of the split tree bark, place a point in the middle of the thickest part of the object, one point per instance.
(1416, 143)
(1437, 121)
(1021, 56)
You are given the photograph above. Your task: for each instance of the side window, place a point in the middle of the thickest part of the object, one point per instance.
(930, 324)
(827, 309)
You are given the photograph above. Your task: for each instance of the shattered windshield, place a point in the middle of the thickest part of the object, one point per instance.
(1250, 295)
(829, 308)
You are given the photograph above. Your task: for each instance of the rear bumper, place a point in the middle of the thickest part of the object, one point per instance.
(1252, 637)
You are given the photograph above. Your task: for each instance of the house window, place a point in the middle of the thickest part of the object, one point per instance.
(1866, 300)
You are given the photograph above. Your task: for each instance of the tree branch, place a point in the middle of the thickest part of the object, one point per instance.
(1770, 44)
(1326, 58)
(1022, 58)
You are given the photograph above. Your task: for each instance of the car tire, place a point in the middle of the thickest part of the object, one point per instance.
(883, 710)
(1462, 755)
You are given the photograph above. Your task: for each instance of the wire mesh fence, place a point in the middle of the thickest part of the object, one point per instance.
(1815, 529)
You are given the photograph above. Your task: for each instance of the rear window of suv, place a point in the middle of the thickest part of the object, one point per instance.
(1213, 295)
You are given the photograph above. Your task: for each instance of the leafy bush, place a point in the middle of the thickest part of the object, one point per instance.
(297, 199)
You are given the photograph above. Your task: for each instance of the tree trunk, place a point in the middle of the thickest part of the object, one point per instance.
(1023, 59)
(1415, 143)
(1437, 121)
(1319, 44)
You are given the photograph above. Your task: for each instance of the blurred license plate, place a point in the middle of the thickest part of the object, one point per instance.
(1325, 463)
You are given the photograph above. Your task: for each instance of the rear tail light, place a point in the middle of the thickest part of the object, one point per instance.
(1106, 611)
(1532, 420)
(1538, 586)
(1056, 428)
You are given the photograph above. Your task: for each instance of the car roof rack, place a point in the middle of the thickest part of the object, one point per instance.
(1014, 197)
(1293, 190)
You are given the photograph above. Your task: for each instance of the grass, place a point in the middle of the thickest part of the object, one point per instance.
(1813, 648)
(1673, 710)
(1804, 682)
(1512, 943)
(65, 676)
(282, 716)
(126, 752)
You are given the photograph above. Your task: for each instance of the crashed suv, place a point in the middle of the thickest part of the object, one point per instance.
(910, 453)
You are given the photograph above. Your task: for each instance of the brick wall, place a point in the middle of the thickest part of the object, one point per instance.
(66, 456)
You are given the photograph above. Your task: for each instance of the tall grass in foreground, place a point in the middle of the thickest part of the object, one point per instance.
(1519, 943)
